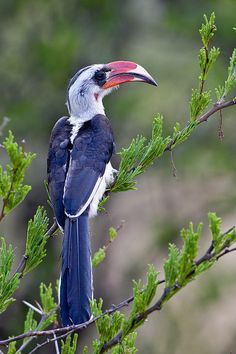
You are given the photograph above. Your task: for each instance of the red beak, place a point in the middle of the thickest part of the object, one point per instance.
(126, 71)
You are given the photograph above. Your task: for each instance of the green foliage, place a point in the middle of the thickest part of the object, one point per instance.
(112, 234)
(8, 283)
(127, 346)
(69, 345)
(139, 155)
(12, 189)
(200, 99)
(85, 350)
(98, 257)
(179, 136)
(143, 296)
(199, 102)
(230, 82)
(12, 348)
(207, 29)
(206, 60)
(96, 307)
(30, 323)
(107, 325)
(188, 253)
(48, 305)
(171, 266)
(47, 310)
(142, 152)
(181, 263)
(215, 225)
(180, 268)
(36, 240)
(220, 240)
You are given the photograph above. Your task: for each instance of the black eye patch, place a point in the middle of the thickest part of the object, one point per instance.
(100, 77)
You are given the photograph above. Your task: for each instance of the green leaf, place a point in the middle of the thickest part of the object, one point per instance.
(69, 346)
(143, 296)
(12, 189)
(180, 136)
(139, 155)
(36, 239)
(230, 82)
(85, 350)
(49, 305)
(12, 348)
(220, 91)
(207, 29)
(127, 345)
(98, 257)
(206, 61)
(30, 323)
(96, 307)
(112, 233)
(188, 252)
(8, 284)
(215, 226)
(199, 102)
(149, 290)
(171, 266)
(107, 325)
(47, 299)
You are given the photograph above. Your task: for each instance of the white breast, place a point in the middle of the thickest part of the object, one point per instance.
(77, 124)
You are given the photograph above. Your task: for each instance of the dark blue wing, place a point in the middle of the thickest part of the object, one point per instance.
(58, 160)
(92, 150)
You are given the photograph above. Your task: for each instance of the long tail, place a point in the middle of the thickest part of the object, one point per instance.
(76, 272)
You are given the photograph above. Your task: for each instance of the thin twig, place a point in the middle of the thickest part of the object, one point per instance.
(216, 107)
(158, 304)
(64, 331)
(226, 251)
(174, 170)
(22, 264)
(117, 229)
(204, 117)
(56, 344)
(54, 339)
(44, 317)
(52, 229)
(220, 130)
(202, 82)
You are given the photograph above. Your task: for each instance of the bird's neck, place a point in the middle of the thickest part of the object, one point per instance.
(85, 109)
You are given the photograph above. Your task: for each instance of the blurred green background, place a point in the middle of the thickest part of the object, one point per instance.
(43, 43)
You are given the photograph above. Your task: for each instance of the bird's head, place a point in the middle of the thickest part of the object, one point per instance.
(90, 84)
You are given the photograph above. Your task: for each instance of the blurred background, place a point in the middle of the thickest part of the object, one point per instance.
(43, 43)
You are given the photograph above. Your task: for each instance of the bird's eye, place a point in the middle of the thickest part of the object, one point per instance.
(100, 76)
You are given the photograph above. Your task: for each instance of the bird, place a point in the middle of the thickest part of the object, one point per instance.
(79, 172)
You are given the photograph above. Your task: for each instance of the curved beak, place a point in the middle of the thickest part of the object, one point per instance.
(120, 72)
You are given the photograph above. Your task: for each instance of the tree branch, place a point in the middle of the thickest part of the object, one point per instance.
(21, 266)
(216, 107)
(204, 117)
(157, 306)
(62, 332)
(209, 255)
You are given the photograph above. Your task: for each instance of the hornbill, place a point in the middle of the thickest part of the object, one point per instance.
(79, 171)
